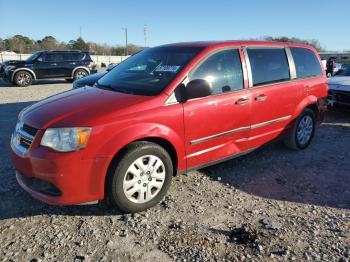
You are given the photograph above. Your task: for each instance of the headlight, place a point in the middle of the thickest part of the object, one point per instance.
(66, 139)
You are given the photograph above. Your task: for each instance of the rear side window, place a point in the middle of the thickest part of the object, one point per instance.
(306, 63)
(268, 65)
(59, 57)
(222, 70)
(67, 56)
(53, 57)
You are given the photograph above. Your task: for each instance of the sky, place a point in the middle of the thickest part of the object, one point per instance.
(178, 20)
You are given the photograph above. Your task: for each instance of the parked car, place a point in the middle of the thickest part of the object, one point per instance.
(70, 65)
(337, 67)
(165, 111)
(344, 66)
(91, 79)
(339, 89)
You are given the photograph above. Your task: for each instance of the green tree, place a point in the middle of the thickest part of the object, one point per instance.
(19, 44)
(78, 44)
(48, 43)
(313, 42)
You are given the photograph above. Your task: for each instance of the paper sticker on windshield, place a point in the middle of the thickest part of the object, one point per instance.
(167, 68)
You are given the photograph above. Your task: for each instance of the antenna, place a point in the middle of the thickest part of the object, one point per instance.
(145, 34)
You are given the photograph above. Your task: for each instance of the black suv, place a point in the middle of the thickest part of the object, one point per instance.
(70, 65)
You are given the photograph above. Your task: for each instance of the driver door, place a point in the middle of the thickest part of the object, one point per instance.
(217, 126)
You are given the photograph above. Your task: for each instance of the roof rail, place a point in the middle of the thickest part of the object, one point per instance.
(64, 51)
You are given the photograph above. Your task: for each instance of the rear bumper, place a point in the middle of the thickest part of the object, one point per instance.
(60, 179)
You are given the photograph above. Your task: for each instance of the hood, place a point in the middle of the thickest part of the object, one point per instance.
(339, 80)
(80, 107)
(14, 62)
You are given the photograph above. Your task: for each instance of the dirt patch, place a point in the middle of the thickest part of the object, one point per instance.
(271, 205)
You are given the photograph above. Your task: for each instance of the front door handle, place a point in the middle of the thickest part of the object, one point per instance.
(54, 64)
(260, 98)
(242, 101)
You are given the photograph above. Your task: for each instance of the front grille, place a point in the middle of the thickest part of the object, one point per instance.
(25, 142)
(24, 136)
(30, 130)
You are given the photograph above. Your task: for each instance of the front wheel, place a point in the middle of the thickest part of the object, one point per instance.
(141, 178)
(303, 131)
(23, 78)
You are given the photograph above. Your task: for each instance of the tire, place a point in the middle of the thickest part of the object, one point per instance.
(23, 78)
(132, 184)
(303, 131)
(79, 73)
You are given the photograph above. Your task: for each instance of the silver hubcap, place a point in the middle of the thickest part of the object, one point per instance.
(144, 179)
(304, 130)
(23, 79)
(80, 74)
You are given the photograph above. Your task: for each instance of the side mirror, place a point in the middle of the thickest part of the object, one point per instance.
(197, 88)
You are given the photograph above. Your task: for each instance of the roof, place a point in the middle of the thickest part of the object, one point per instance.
(205, 44)
(67, 51)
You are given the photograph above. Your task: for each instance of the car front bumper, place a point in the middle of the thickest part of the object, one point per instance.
(59, 178)
(339, 98)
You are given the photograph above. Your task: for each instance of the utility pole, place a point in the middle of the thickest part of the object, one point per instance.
(80, 31)
(126, 40)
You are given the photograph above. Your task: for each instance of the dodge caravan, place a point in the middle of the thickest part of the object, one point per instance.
(165, 111)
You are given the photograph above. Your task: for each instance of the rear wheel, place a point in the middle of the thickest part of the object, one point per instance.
(303, 131)
(141, 178)
(79, 73)
(23, 78)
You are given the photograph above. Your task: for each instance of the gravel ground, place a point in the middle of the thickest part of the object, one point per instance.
(271, 205)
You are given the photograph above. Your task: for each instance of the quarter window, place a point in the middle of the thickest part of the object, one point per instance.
(222, 71)
(78, 56)
(306, 63)
(268, 65)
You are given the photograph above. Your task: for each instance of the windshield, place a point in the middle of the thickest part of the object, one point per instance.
(148, 72)
(33, 57)
(343, 72)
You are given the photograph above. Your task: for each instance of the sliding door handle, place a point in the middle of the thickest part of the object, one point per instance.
(242, 101)
(260, 98)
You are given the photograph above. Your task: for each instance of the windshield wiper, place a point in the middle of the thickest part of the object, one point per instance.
(108, 87)
(114, 88)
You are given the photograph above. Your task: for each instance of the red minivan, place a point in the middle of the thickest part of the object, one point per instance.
(165, 111)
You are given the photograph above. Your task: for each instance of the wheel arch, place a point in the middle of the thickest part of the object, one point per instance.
(80, 67)
(166, 144)
(32, 73)
(308, 102)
